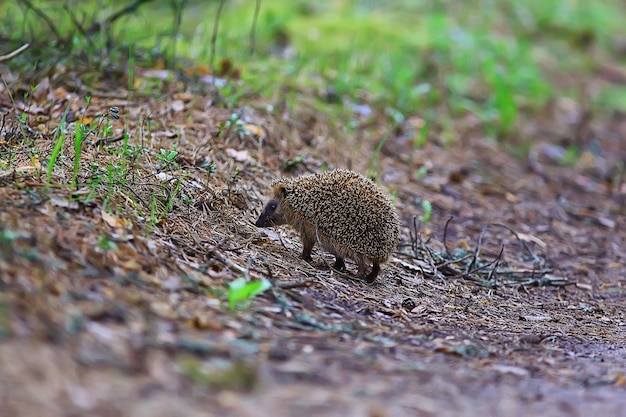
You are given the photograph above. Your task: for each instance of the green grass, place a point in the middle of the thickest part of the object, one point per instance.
(78, 144)
(58, 139)
(437, 60)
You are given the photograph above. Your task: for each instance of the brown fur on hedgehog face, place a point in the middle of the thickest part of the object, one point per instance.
(347, 214)
(273, 213)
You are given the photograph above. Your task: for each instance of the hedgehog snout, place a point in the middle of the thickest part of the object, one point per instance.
(262, 221)
(271, 215)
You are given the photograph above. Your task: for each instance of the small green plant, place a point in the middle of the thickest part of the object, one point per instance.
(187, 200)
(59, 138)
(172, 197)
(421, 173)
(78, 142)
(422, 137)
(242, 291)
(428, 211)
(5, 321)
(167, 159)
(292, 165)
(571, 155)
(234, 179)
(105, 243)
(115, 174)
(210, 166)
(233, 122)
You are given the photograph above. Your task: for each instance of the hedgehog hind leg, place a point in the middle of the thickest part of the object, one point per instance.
(372, 275)
(361, 273)
(340, 263)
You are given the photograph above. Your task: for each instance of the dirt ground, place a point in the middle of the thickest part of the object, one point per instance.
(143, 328)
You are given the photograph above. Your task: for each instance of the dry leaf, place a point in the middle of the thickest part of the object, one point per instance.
(177, 106)
(254, 130)
(532, 238)
(239, 156)
(111, 220)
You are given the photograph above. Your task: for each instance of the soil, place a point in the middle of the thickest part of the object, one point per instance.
(508, 301)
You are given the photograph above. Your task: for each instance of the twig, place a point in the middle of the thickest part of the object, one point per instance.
(532, 272)
(249, 267)
(493, 273)
(227, 261)
(530, 252)
(45, 18)
(414, 237)
(477, 250)
(110, 140)
(75, 21)
(480, 268)
(214, 39)
(18, 170)
(445, 237)
(432, 264)
(255, 18)
(308, 283)
(179, 17)
(96, 26)
(79, 26)
(14, 53)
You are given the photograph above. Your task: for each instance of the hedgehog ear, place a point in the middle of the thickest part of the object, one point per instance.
(283, 191)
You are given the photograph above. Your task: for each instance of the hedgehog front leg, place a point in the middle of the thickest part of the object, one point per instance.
(308, 241)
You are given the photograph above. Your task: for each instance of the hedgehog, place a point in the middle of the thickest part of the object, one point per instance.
(349, 215)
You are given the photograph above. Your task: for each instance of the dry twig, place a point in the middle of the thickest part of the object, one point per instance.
(214, 39)
(96, 26)
(46, 20)
(15, 53)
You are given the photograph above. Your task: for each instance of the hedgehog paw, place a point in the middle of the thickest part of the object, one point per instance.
(371, 277)
(340, 264)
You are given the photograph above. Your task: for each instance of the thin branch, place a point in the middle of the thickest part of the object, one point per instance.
(530, 252)
(96, 26)
(179, 7)
(214, 39)
(288, 286)
(227, 261)
(74, 19)
(14, 53)
(257, 9)
(468, 274)
(445, 236)
(477, 250)
(45, 18)
(113, 139)
(493, 274)
(414, 237)
(79, 26)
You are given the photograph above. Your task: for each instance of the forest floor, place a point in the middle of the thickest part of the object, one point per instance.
(113, 292)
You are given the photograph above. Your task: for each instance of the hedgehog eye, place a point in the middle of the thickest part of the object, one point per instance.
(273, 206)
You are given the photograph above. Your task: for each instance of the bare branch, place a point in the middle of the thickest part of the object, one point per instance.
(96, 26)
(45, 18)
(445, 236)
(214, 38)
(530, 252)
(178, 7)
(257, 9)
(78, 25)
(14, 53)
